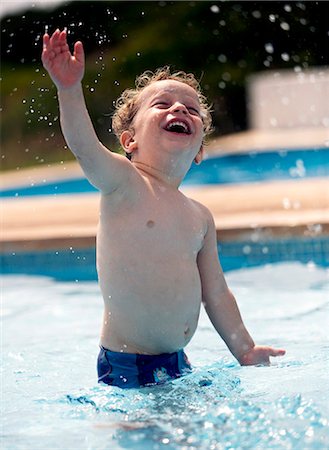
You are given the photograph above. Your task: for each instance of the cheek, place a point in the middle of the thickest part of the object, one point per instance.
(200, 128)
(145, 129)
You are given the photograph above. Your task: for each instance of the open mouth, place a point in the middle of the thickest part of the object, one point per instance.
(177, 126)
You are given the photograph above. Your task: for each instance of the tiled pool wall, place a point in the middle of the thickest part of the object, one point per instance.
(80, 263)
(234, 255)
(63, 264)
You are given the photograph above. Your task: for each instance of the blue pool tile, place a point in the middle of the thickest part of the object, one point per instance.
(80, 264)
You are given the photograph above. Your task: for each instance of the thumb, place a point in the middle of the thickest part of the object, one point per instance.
(79, 53)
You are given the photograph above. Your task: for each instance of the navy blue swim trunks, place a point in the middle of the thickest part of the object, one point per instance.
(128, 370)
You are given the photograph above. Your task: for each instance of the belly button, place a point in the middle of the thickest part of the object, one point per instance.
(150, 223)
(187, 330)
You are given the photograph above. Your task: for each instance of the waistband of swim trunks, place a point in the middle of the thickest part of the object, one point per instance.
(129, 356)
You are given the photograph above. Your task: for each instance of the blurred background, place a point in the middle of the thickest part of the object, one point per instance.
(223, 43)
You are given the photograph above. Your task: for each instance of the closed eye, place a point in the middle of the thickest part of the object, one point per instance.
(193, 110)
(161, 104)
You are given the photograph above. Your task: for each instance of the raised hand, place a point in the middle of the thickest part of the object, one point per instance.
(66, 70)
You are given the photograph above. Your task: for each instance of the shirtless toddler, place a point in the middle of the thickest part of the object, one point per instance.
(157, 257)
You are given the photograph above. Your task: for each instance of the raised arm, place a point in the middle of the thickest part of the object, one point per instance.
(222, 308)
(105, 170)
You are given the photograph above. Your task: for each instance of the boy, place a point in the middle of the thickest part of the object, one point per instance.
(156, 249)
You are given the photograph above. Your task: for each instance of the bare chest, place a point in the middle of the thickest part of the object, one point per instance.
(157, 222)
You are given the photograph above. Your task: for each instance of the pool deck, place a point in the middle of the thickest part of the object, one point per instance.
(276, 208)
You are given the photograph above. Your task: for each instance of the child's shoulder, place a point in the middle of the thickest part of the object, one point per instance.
(200, 209)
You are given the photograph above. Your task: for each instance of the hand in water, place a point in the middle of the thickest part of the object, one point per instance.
(65, 69)
(260, 355)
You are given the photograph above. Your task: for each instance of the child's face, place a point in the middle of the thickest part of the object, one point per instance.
(168, 119)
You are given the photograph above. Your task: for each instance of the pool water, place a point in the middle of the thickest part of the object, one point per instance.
(260, 166)
(220, 169)
(52, 400)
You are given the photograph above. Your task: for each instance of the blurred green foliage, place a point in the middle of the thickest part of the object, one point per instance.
(221, 42)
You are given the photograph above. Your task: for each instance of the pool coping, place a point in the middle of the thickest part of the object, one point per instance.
(267, 209)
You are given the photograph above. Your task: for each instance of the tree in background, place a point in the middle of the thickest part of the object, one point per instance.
(221, 42)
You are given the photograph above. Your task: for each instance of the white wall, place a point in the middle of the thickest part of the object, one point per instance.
(289, 99)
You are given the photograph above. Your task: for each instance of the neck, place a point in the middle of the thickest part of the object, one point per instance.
(170, 171)
(162, 176)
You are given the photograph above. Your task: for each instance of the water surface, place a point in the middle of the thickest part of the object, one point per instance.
(52, 399)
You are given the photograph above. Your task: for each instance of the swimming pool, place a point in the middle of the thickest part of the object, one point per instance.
(221, 169)
(52, 400)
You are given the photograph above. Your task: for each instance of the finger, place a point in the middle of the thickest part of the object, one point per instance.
(45, 50)
(54, 37)
(277, 352)
(45, 40)
(62, 36)
(79, 53)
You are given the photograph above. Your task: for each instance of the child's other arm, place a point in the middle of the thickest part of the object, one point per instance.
(104, 169)
(222, 308)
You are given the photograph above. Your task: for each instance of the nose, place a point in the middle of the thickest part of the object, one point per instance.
(179, 107)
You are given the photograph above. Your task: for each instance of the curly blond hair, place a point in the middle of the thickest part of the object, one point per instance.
(127, 104)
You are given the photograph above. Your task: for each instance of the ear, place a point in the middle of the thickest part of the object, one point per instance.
(128, 142)
(199, 156)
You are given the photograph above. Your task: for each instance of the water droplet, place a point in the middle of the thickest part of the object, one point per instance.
(285, 26)
(286, 203)
(246, 249)
(214, 9)
(269, 47)
(257, 14)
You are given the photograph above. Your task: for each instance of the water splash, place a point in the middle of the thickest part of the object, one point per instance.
(207, 409)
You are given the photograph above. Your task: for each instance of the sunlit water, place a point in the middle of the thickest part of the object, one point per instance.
(52, 400)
